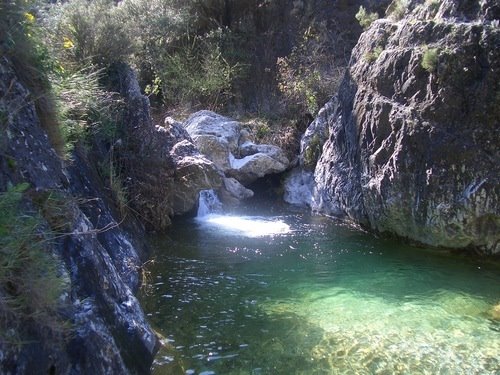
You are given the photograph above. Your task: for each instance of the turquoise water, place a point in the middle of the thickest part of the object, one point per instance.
(291, 293)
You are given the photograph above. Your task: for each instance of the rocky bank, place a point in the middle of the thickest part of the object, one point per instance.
(99, 254)
(413, 135)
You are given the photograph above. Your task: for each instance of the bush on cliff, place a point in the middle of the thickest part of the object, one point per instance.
(20, 42)
(29, 282)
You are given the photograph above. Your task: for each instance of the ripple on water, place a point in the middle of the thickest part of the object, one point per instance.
(318, 299)
(442, 333)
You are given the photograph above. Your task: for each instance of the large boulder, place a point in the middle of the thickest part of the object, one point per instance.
(226, 144)
(215, 136)
(414, 131)
(255, 166)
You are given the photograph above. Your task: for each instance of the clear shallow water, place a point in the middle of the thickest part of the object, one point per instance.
(318, 297)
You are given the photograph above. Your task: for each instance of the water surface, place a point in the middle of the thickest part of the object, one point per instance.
(291, 293)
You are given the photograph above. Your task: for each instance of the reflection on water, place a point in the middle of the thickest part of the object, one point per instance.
(247, 226)
(315, 297)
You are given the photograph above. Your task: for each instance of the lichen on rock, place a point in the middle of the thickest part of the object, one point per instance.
(413, 149)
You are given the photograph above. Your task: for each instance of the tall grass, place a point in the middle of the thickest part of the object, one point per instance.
(29, 285)
(20, 42)
(84, 107)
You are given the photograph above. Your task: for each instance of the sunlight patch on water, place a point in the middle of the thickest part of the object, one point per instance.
(367, 334)
(247, 226)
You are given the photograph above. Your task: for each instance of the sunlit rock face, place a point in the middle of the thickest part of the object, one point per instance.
(225, 143)
(414, 131)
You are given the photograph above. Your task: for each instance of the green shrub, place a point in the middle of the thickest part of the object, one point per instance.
(197, 72)
(29, 285)
(307, 77)
(364, 18)
(430, 59)
(397, 9)
(373, 55)
(89, 32)
(84, 107)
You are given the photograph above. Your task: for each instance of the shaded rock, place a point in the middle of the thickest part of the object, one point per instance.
(311, 143)
(413, 146)
(236, 189)
(108, 332)
(165, 171)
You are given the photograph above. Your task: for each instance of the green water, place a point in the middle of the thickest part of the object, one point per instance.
(318, 298)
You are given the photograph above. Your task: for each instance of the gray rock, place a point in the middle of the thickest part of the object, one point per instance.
(275, 152)
(224, 143)
(236, 189)
(252, 167)
(299, 185)
(108, 332)
(214, 135)
(164, 169)
(311, 143)
(414, 148)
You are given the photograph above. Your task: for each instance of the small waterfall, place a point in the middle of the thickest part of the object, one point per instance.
(208, 203)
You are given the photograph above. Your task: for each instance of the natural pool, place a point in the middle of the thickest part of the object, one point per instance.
(291, 293)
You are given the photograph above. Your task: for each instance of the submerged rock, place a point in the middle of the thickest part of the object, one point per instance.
(414, 131)
(495, 312)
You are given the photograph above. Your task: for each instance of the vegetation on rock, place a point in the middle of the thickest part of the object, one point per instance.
(365, 18)
(430, 59)
(30, 281)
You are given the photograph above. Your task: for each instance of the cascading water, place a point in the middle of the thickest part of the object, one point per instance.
(210, 214)
(208, 203)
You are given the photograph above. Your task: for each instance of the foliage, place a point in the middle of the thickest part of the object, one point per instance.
(197, 71)
(87, 33)
(364, 18)
(29, 285)
(397, 9)
(84, 107)
(374, 54)
(21, 42)
(306, 77)
(430, 59)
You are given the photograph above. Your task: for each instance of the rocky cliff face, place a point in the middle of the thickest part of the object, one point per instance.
(414, 131)
(100, 261)
(164, 170)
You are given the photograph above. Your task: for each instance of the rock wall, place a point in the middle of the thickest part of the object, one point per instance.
(414, 131)
(108, 332)
(164, 171)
